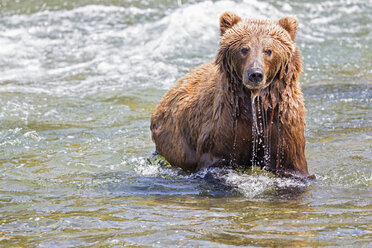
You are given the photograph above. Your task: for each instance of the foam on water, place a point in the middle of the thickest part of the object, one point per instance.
(90, 49)
(253, 183)
(257, 185)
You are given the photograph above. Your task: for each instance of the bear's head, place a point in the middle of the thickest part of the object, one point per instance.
(255, 52)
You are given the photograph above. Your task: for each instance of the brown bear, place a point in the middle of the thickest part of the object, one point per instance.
(245, 108)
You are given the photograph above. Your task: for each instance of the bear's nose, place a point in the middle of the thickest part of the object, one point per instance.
(255, 75)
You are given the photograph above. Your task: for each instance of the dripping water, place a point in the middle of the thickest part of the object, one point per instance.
(261, 133)
(254, 130)
(267, 137)
(260, 129)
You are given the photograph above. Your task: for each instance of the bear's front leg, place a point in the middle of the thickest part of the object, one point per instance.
(291, 152)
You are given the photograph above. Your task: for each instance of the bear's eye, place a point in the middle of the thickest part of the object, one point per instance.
(244, 51)
(268, 52)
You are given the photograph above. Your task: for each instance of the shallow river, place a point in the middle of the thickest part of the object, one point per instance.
(78, 83)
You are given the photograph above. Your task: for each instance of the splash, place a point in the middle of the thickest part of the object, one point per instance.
(156, 166)
(255, 183)
(258, 183)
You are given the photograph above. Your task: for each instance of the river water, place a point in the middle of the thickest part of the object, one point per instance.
(78, 83)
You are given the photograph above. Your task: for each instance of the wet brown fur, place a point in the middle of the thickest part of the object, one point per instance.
(206, 118)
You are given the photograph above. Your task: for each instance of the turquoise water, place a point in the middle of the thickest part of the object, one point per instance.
(78, 83)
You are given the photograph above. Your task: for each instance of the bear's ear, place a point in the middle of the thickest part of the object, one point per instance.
(227, 20)
(290, 24)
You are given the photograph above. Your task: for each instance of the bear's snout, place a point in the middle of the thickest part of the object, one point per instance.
(255, 76)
